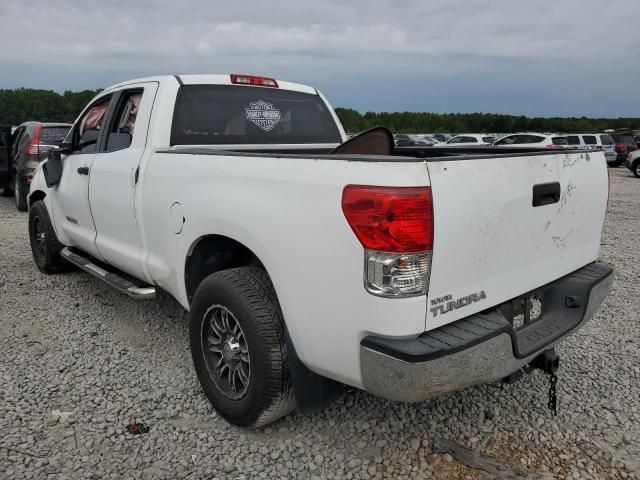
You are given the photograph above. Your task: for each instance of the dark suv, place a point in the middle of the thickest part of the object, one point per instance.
(625, 144)
(29, 146)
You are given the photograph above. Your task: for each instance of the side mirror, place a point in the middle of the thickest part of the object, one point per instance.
(65, 148)
(52, 168)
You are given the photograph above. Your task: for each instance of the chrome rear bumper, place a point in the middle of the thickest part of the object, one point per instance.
(483, 347)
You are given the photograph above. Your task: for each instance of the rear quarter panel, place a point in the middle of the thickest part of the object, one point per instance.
(288, 212)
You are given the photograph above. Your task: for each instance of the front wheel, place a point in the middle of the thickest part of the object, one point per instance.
(238, 347)
(636, 170)
(45, 246)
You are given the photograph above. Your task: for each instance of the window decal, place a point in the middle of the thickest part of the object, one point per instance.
(263, 114)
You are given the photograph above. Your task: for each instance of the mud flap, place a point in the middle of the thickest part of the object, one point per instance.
(313, 392)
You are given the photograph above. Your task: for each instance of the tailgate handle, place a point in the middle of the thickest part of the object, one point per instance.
(545, 194)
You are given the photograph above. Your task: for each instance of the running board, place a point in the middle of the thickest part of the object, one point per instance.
(112, 279)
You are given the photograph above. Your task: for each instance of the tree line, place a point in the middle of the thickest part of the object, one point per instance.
(425, 122)
(22, 104)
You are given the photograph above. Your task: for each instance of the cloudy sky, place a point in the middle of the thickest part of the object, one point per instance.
(561, 57)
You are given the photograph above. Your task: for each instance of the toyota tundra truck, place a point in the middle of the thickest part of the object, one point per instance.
(308, 262)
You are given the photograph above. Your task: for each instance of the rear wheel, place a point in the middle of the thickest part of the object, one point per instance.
(45, 246)
(238, 347)
(20, 193)
(615, 163)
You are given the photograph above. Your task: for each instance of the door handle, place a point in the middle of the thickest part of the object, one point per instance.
(545, 194)
(83, 170)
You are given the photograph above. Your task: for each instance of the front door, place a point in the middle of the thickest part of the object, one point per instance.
(70, 198)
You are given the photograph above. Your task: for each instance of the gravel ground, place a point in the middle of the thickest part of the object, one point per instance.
(80, 361)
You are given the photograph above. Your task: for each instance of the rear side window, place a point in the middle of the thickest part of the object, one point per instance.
(573, 140)
(226, 115)
(606, 140)
(559, 141)
(488, 139)
(53, 136)
(590, 139)
(124, 122)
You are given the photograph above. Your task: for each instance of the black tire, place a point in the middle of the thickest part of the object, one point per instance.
(6, 192)
(615, 163)
(45, 246)
(20, 193)
(636, 169)
(246, 293)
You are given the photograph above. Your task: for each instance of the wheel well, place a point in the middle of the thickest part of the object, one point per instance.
(211, 254)
(35, 196)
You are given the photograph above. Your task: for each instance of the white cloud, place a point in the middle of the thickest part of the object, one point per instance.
(358, 35)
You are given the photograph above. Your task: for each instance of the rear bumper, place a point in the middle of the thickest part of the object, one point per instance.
(483, 347)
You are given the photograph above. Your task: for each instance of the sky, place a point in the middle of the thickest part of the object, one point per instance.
(522, 57)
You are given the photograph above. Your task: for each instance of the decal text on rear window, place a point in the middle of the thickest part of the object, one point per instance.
(263, 114)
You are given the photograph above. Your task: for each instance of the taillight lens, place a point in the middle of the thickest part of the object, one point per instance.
(34, 147)
(390, 219)
(253, 80)
(395, 226)
(621, 148)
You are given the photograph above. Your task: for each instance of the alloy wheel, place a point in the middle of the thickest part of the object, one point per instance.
(226, 352)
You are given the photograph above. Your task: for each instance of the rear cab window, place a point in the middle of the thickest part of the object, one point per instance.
(241, 115)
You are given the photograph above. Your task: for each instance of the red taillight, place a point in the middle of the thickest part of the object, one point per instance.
(253, 80)
(390, 219)
(34, 147)
(621, 148)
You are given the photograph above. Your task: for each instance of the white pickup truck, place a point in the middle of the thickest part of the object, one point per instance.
(306, 267)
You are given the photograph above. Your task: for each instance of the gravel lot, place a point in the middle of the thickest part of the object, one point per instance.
(78, 362)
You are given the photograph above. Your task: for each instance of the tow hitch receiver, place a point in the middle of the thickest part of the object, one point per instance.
(548, 361)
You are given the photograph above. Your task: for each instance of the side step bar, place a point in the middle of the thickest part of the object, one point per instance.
(112, 279)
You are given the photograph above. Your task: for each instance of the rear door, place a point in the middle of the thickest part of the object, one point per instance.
(114, 175)
(5, 155)
(505, 226)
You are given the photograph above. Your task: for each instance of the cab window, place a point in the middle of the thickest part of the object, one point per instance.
(90, 125)
(124, 121)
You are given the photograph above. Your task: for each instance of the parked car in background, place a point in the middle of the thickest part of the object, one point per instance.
(633, 162)
(624, 144)
(471, 139)
(546, 140)
(403, 140)
(30, 143)
(442, 137)
(594, 141)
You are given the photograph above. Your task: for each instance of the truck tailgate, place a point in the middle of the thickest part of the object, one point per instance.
(491, 244)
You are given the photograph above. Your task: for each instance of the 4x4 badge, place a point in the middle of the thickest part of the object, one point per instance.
(263, 114)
